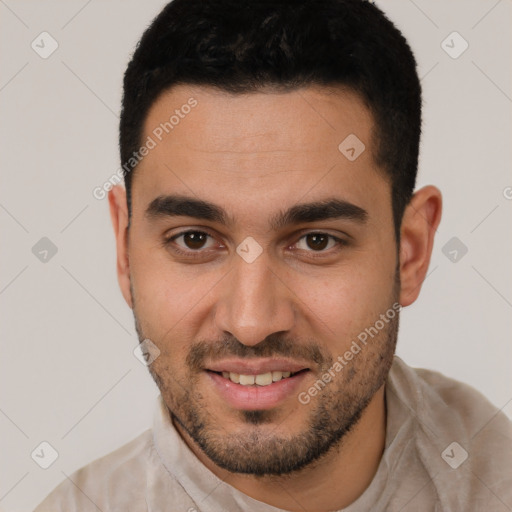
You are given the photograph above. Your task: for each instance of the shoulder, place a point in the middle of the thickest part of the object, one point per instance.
(97, 484)
(466, 409)
(463, 441)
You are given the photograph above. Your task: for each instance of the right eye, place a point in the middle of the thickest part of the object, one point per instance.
(192, 240)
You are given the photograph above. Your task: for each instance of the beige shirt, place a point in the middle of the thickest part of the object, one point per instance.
(447, 449)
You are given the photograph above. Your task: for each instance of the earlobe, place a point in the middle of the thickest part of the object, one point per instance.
(119, 217)
(419, 224)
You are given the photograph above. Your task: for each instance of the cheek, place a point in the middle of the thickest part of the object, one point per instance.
(170, 301)
(341, 307)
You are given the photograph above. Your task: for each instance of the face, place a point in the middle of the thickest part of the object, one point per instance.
(260, 255)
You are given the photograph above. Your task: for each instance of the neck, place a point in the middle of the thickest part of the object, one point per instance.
(331, 483)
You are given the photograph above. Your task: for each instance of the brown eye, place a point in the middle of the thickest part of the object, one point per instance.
(317, 242)
(193, 240)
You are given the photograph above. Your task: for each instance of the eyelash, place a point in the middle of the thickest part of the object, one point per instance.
(190, 253)
(340, 242)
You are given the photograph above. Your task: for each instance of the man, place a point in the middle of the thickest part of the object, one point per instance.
(267, 237)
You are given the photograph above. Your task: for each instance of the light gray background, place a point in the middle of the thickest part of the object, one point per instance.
(68, 375)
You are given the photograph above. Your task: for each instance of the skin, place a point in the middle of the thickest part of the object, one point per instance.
(256, 155)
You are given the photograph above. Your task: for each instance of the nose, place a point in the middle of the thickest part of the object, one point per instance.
(255, 303)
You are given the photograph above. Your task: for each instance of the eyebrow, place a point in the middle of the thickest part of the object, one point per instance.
(318, 211)
(175, 206)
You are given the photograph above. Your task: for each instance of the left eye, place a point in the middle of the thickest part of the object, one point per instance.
(317, 242)
(193, 240)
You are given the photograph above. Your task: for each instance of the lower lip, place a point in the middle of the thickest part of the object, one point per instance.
(252, 398)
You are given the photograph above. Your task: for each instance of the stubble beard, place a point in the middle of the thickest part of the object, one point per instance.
(257, 449)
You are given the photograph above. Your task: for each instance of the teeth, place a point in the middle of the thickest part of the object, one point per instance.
(247, 380)
(263, 379)
(277, 376)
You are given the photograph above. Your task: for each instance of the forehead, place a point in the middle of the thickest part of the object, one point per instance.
(259, 149)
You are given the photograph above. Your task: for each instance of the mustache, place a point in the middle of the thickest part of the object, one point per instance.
(274, 345)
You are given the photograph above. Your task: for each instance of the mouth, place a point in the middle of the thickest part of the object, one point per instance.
(261, 379)
(256, 385)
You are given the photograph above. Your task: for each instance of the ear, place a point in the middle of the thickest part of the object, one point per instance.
(119, 217)
(419, 224)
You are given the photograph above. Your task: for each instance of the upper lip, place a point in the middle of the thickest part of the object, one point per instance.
(256, 366)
